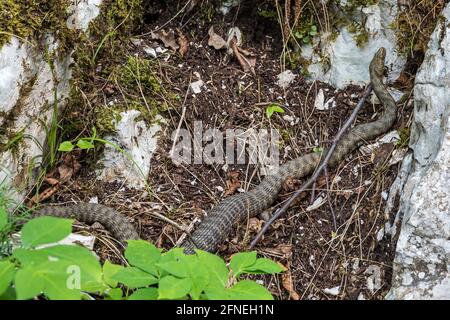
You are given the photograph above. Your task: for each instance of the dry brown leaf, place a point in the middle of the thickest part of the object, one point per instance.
(183, 42)
(255, 224)
(51, 181)
(246, 59)
(47, 193)
(233, 183)
(168, 38)
(286, 280)
(215, 40)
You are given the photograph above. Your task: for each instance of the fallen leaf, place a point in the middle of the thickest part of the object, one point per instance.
(286, 280)
(168, 38)
(215, 40)
(51, 181)
(246, 59)
(183, 43)
(255, 224)
(233, 183)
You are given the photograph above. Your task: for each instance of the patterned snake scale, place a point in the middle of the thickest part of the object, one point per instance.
(219, 223)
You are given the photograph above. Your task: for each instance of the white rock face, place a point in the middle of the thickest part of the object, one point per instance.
(27, 91)
(348, 63)
(139, 142)
(84, 11)
(422, 261)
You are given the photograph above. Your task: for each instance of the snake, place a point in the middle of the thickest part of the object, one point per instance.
(220, 222)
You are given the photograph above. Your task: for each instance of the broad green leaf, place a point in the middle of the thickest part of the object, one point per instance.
(264, 266)
(3, 217)
(78, 259)
(66, 146)
(73, 260)
(270, 110)
(198, 274)
(49, 278)
(216, 267)
(134, 277)
(44, 230)
(217, 293)
(144, 294)
(173, 288)
(85, 144)
(114, 294)
(176, 268)
(241, 261)
(9, 294)
(143, 255)
(7, 271)
(28, 257)
(173, 255)
(28, 283)
(249, 290)
(109, 270)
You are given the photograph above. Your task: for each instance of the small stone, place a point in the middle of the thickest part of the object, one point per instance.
(285, 78)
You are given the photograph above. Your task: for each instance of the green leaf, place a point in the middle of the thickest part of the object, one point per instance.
(66, 146)
(134, 277)
(144, 294)
(3, 217)
(44, 230)
(174, 267)
(109, 270)
(85, 144)
(241, 261)
(9, 294)
(73, 261)
(217, 268)
(273, 108)
(249, 290)
(114, 294)
(173, 288)
(7, 271)
(317, 149)
(143, 255)
(28, 283)
(76, 259)
(264, 266)
(198, 274)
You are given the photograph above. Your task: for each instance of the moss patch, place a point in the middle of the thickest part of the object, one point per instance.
(414, 26)
(32, 18)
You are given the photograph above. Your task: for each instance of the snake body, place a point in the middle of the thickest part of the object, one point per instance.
(219, 223)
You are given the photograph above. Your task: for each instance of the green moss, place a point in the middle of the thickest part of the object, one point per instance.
(32, 18)
(414, 26)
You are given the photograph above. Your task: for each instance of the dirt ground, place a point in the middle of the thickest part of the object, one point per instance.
(347, 262)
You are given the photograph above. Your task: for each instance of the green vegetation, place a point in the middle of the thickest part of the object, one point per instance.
(414, 25)
(27, 19)
(72, 272)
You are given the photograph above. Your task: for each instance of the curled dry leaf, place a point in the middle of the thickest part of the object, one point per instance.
(233, 183)
(215, 40)
(286, 280)
(246, 59)
(183, 43)
(168, 38)
(255, 224)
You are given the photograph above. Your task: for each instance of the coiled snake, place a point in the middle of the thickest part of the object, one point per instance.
(219, 223)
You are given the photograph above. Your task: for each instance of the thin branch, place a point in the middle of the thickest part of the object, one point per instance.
(318, 171)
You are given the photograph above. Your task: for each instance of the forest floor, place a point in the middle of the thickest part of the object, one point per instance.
(323, 262)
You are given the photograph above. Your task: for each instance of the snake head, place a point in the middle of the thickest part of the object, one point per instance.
(377, 63)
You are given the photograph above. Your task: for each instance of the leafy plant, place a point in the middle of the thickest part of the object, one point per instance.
(54, 271)
(271, 109)
(306, 33)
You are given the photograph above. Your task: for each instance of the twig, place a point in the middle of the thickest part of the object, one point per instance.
(320, 168)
